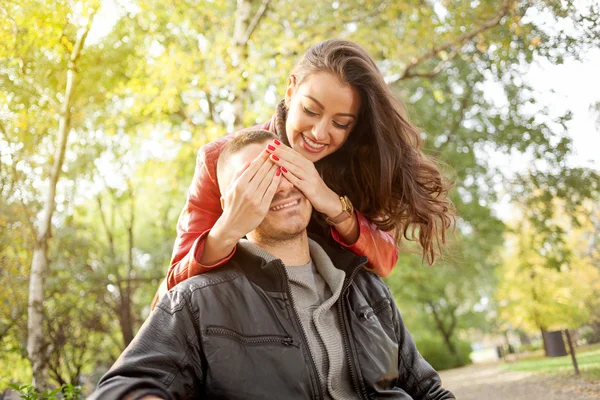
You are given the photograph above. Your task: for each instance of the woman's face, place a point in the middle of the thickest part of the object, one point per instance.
(322, 112)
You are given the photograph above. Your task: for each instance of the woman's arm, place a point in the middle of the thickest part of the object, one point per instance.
(200, 213)
(206, 237)
(377, 245)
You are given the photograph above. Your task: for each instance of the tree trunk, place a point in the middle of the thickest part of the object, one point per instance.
(243, 29)
(572, 351)
(239, 57)
(37, 348)
(446, 331)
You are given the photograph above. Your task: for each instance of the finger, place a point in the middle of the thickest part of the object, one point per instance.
(240, 171)
(253, 168)
(290, 155)
(298, 172)
(260, 175)
(294, 180)
(272, 188)
(266, 181)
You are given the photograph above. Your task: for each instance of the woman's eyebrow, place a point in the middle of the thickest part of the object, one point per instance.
(322, 107)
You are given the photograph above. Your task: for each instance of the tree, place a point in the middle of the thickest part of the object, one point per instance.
(534, 297)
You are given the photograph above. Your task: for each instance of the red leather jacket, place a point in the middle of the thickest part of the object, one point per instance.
(203, 208)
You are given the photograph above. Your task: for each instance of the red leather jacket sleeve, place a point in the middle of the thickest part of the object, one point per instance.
(377, 245)
(200, 212)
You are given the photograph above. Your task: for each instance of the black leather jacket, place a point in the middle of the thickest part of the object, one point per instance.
(234, 334)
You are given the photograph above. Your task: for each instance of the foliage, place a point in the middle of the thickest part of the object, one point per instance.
(161, 81)
(66, 392)
(533, 296)
(436, 353)
(589, 334)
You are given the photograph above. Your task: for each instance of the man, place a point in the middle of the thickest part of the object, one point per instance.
(285, 318)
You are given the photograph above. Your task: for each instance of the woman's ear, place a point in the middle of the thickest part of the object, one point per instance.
(289, 91)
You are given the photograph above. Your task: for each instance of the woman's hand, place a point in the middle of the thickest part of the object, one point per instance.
(248, 197)
(303, 174)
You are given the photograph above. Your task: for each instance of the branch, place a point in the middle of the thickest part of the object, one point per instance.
(254, 23)
(458, 42)
(109, 234)
(464, 104)
(211, 108)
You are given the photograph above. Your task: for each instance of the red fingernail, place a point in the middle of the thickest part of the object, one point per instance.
(272, 148)
(283, 169)
(278, 172)
(274, 157)
(277, 142)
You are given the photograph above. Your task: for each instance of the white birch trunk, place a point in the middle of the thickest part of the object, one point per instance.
(239, 57)
(243, 29)
(37, 348)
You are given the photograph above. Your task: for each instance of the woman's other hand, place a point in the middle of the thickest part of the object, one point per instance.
(248, 197)
(302, 173)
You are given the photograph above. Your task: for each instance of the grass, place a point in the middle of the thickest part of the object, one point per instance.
(588, 359)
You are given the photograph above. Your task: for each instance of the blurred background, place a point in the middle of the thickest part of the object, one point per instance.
(103, 105)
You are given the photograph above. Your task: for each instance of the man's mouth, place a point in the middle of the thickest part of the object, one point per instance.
(289, 204)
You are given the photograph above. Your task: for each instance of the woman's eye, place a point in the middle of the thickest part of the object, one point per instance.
(308, 112)
(340, 125)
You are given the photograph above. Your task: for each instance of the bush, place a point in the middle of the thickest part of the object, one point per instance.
(68, 392)
(436, 353)
(533, 346)
(589, 334)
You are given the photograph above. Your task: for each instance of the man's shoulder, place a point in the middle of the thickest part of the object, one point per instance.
(222, 274)
(192, 289)
(371, 283)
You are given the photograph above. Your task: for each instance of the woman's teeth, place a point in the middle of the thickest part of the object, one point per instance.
(291, 203)
(312, 144)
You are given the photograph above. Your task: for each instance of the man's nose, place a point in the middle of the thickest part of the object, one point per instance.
(284, 185)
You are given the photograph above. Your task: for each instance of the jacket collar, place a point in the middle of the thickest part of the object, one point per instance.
(270, 275)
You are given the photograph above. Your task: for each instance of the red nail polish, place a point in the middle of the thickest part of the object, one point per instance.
(278, 172)
(277, 142)
(283, 169)
(274, 157)
(272, 148)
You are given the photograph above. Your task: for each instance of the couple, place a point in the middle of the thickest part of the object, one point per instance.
(286, 317)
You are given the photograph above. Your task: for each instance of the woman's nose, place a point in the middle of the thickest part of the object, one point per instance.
(319, 131)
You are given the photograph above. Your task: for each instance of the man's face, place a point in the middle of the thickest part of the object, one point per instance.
(289, 213)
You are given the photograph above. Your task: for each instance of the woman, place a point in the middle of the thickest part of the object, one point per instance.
(343, 141)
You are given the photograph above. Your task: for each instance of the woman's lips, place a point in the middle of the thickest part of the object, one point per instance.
(308, 147)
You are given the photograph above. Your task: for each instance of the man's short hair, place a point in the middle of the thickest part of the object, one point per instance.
(241, 140)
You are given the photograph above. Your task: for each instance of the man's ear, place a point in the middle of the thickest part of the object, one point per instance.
(289, 91)
(222, 203)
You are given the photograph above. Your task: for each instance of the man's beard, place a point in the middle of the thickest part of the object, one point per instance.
(269, 232)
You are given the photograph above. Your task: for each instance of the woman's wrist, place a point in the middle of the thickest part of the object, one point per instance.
(219, 244)
(349, 229)
(334, 207)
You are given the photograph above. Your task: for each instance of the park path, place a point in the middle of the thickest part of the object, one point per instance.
(492, 382)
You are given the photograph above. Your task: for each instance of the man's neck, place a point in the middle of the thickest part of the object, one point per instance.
(292, 252)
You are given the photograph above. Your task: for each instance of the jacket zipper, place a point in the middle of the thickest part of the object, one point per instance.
(299, 323)
(286, 341)
(346, 335)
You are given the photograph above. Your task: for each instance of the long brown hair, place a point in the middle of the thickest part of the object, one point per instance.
(389, 178)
